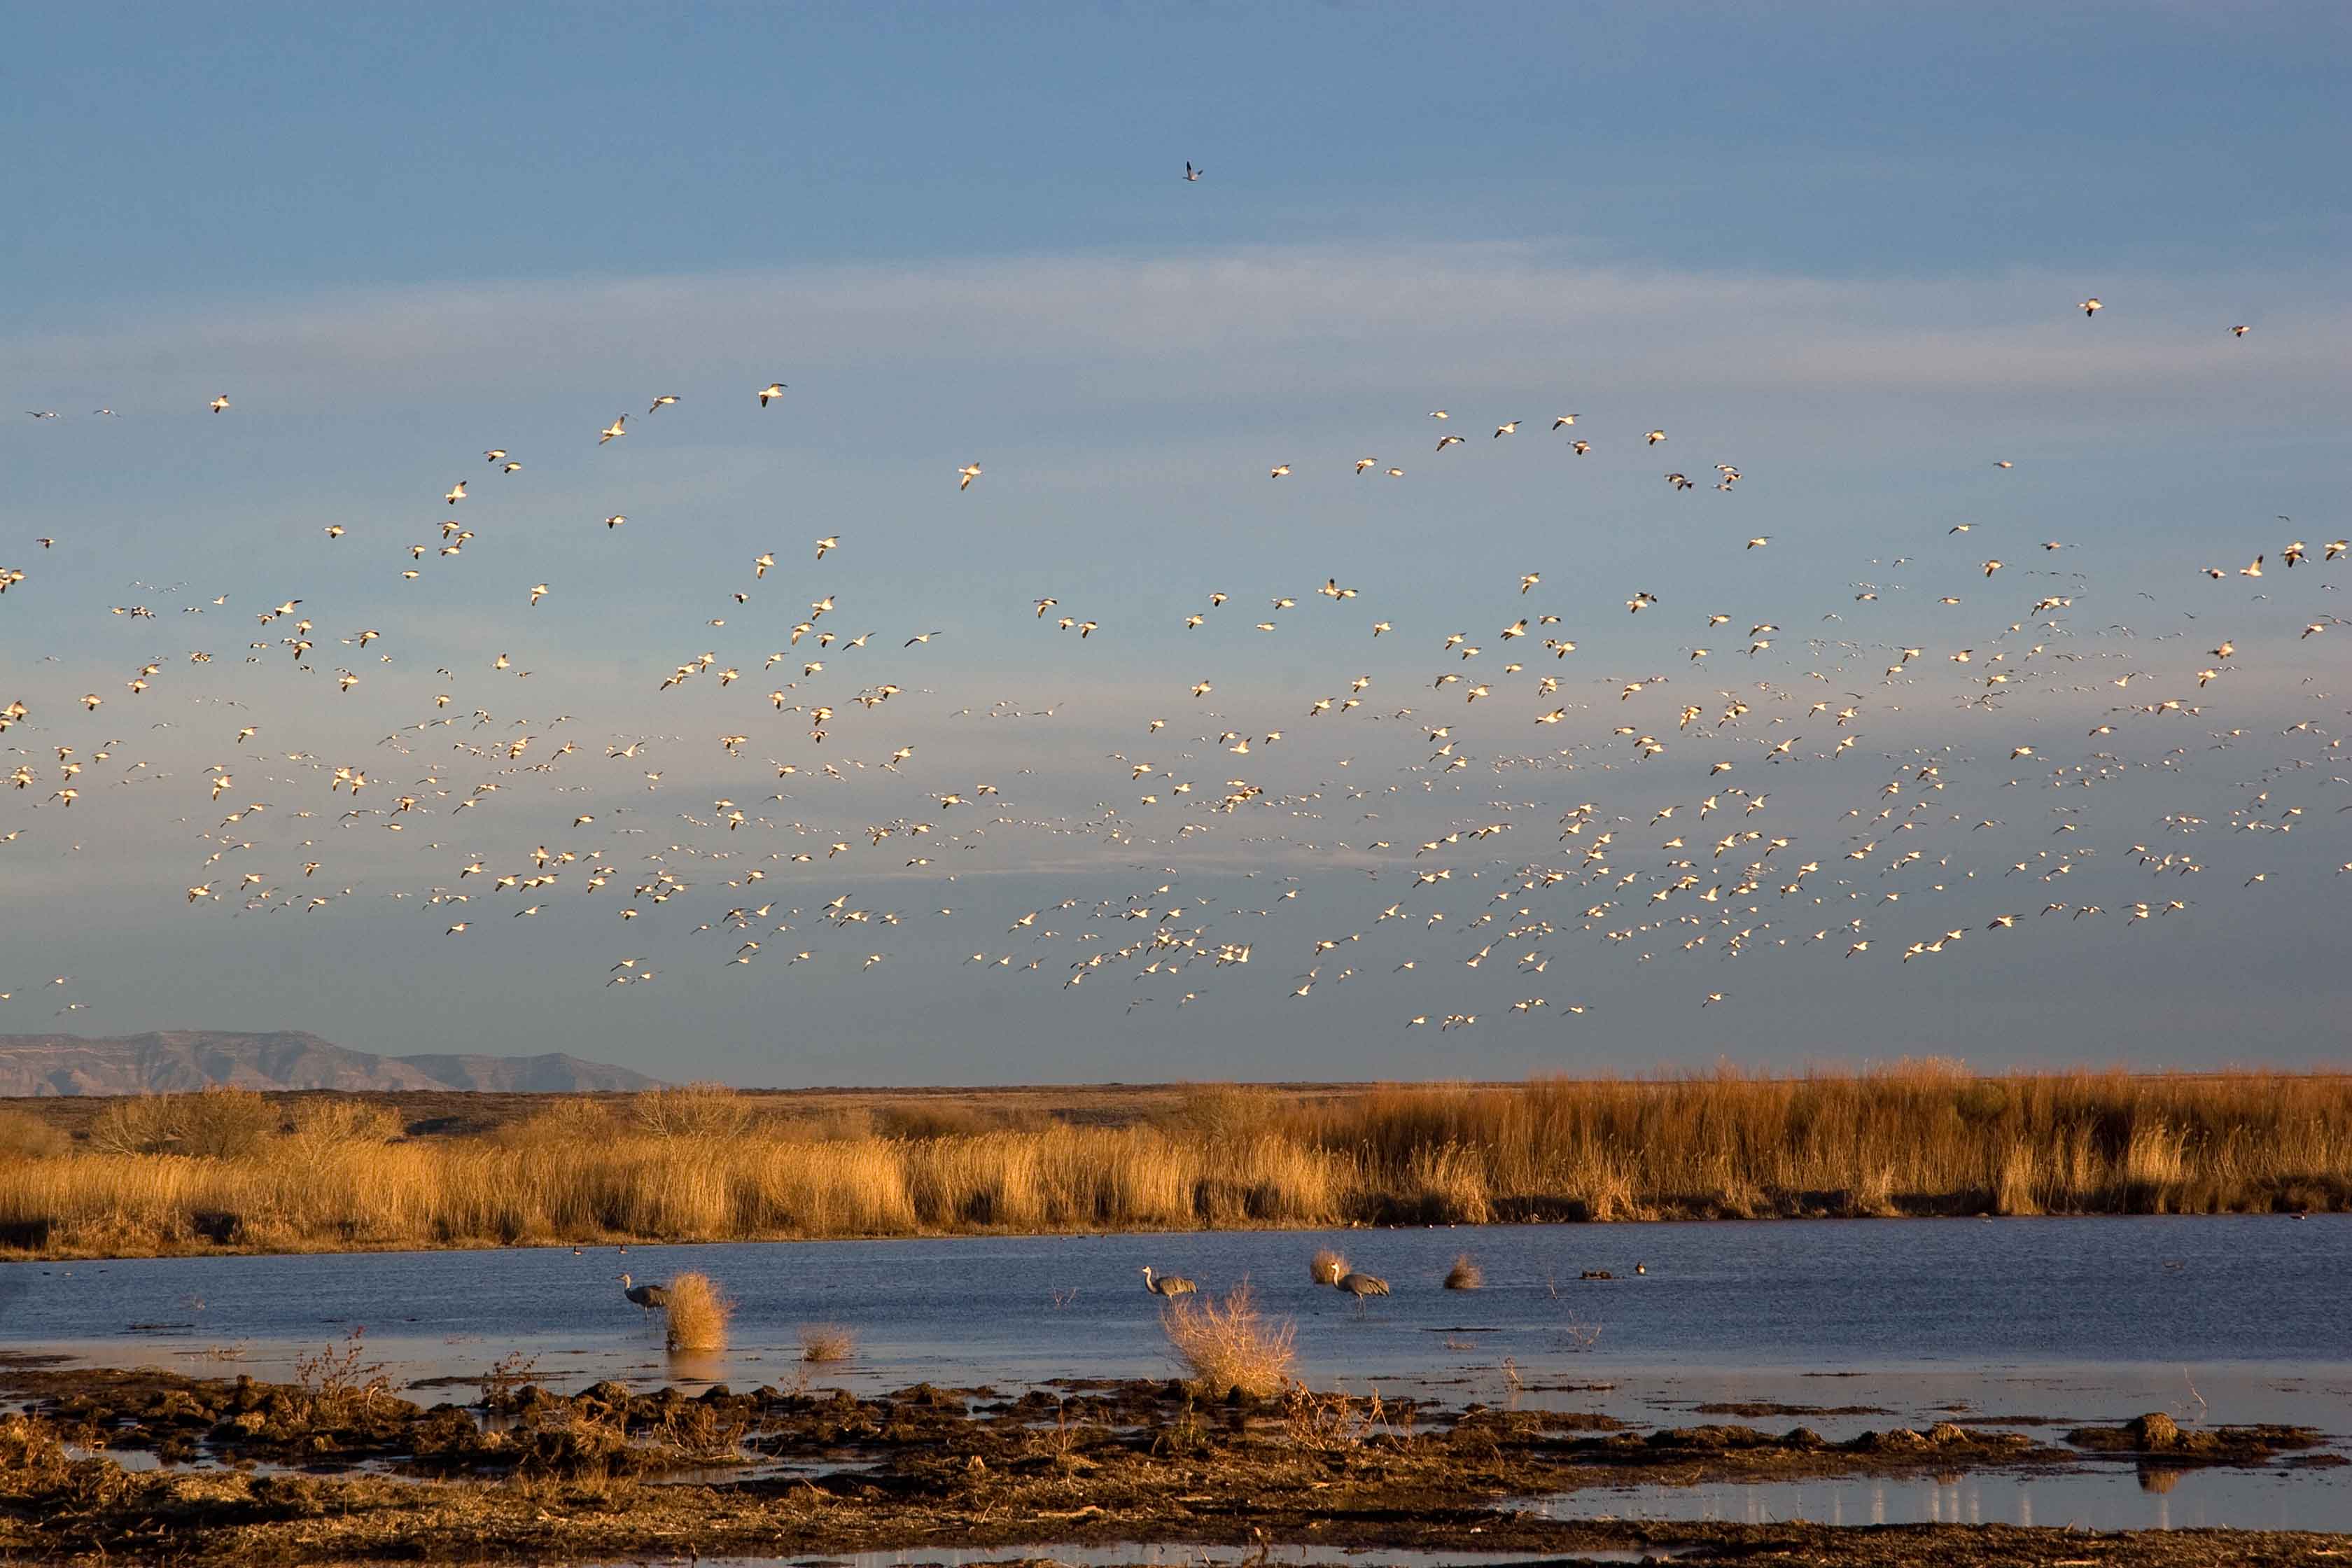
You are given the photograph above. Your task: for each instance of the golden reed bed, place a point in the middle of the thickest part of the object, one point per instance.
(232, 1170)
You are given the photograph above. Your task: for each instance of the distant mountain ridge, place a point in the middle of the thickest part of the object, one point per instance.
(33, 1066)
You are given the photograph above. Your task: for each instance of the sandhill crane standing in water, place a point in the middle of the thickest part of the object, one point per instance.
(1360, 1286)
(646, 1295)
(1167, 1284)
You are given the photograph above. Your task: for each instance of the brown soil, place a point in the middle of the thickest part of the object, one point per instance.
(353, 1473)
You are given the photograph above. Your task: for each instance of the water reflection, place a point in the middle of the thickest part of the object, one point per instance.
(1840, 1326)
(2089, 1499)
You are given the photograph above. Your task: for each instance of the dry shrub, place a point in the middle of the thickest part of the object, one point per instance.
(507, 1375)
(574, 1122)
(148, 1124)
(698, 1313)
(1226, 1111)
(703, 1435)
(1466, 1275)
(1326, 1266)
(826, 1343)
(921, 1118)
(214, 1124)
(30, 1449)
(347, 1122)
(833, 1122)
(27, 1137)
(327, 1130)
(1579, 1335)
(225, 1123)
(1335, 1420)
(694, 1111)
(338, 1383)
(1230, 1346)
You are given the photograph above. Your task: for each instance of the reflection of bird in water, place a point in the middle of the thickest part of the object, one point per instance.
(1360, 1286)
(646, 1295)
(1167, 1284)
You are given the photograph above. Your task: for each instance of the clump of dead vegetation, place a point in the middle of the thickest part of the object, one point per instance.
(823, 1344)
(1326, 1266)
(1230, 1346)
(698, 1313)
(1466, 1275)
(339, 1384)
(30, 1449)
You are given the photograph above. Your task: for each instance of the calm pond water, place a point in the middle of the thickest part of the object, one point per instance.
(2221, 1320)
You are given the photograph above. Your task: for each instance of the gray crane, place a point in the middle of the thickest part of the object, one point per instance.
(1167, 1284)
(1360, 1286)
(646, 1295)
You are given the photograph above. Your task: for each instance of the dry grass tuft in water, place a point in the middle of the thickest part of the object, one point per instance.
(1326, 1266)
(698, 1313)
(1464, 1275)
(1230, 1345)
(824, 1344)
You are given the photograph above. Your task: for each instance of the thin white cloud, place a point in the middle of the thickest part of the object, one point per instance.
(1255, 324)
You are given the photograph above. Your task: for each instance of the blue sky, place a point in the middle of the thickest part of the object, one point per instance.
(1838, 247)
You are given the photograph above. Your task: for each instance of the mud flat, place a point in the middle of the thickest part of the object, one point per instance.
(148, 1465)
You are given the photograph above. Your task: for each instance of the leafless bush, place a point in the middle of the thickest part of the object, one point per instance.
(698, 1314)
(1230, 1345)
(26, 1137)
(507, 1373)
(695, 1110)
(1335, 1420)
(824, 1344)
(30, 1450)
(339, 1383)
(215, 1124)
(700, 1433)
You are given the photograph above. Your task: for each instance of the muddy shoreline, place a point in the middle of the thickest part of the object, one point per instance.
(151, 1465)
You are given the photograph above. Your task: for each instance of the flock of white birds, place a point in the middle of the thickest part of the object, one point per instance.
(1560, 802)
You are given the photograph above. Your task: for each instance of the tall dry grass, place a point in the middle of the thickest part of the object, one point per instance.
(695, 1314)
(1229, 1345)
(826, 1343)
(195, 1172)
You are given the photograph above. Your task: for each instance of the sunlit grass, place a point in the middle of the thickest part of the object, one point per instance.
(1229, 1344)
(696, 1314)
(195, 1172)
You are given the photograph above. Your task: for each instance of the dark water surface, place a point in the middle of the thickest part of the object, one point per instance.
(2213, 1319)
